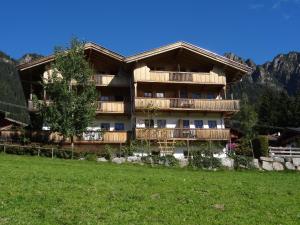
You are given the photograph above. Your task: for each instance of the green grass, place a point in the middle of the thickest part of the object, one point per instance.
(44, 191)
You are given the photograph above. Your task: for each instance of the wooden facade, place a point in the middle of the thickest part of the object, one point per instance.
(180, 77)
(113, 107)
(213, 105)
(111, 80)
(178, 80)
(182, 134)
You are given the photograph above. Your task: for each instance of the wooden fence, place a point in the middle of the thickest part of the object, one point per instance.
(284, 152)
(32, 149)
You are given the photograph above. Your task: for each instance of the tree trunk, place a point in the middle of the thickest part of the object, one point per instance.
(72, 146)
(251, 148)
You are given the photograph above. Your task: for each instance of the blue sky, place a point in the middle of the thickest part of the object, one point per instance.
(250, 28)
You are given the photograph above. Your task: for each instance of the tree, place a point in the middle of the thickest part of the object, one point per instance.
(150, 112)
(247, 118)
(71, 92)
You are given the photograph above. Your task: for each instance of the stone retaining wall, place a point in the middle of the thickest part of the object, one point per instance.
(280, 163)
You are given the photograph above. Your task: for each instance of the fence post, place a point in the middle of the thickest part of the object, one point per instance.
(4, 148)
(38, 151)
(52, 152)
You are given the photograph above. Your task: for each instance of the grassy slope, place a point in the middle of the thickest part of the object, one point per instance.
(45, 191)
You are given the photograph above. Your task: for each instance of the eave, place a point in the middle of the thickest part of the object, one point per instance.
(203, 52)
(88, 46)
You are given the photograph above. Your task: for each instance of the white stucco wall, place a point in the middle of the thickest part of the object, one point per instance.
(172, 121)
(96, 125)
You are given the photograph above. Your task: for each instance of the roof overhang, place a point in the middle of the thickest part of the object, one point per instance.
(240, 68)
(195, 49)
(88, 46)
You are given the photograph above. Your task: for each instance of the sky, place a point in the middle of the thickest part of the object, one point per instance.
(256, 29)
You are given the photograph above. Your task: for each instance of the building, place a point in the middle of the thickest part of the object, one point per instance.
(175, 92)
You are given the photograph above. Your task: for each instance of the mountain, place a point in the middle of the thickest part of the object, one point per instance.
(29, 57)
(282, 73)
(12, 100)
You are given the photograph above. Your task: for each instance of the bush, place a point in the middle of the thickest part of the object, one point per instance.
(205, 161)
(109, 152)
(91, 157)
(202, 157)
(167, 160)
(147, 159)
(261, 146)
(243, 148)
(127, 150)
(242, 162)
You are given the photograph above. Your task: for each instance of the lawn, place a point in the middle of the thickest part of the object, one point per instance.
(44, 191)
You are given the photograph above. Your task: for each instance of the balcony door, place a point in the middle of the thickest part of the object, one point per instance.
(183, 93)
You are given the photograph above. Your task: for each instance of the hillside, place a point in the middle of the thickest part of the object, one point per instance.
(12, 100)
(45, 191)
(282, 73)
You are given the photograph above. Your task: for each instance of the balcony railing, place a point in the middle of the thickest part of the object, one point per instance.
(187, 104)
(112, 107)
(111, 80)
(181, 133)
(102, 106)
(104, 137)
(181, 77)
(32, 106)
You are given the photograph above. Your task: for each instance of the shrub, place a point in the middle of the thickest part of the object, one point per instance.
(242, 162)
(169, 160)
(244, 147)
(109, 152)
(91, 157)
(147, 159)
(202, 157)
(128, 150)
(156, 159)
(261, 146)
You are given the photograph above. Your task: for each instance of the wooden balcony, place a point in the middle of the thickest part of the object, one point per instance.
(32, 106)
(90, 137)
(112, 107)
(181, 134)
(180, 77)
(111, 80)
(110, 137)
(213, 105)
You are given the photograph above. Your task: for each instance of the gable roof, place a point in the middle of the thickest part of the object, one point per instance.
(87, 46)
(192, 48)
(146, 54)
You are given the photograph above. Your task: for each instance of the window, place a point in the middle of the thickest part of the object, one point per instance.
(105, 126)
(198, 123)
(104, 98)
(183, 94)
(196, 95)
(119, 126)
(211, 96)
(149, 123)
(160, 95)
(212, 124)
(186, 124)
(148, 94)
(161, 123)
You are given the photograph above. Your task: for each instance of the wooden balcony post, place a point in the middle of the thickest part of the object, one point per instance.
(135, 89)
